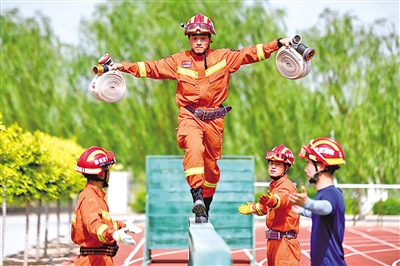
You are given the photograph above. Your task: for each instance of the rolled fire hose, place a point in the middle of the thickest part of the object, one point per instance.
(291, 64)
(110, 87)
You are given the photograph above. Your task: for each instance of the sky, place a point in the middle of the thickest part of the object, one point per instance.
(65, 15)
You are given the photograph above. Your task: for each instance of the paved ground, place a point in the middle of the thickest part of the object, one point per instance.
(365, 244)
(362, 243)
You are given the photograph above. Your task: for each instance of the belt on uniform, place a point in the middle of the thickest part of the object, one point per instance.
(207, 114)
(276, 235)
(108, 250)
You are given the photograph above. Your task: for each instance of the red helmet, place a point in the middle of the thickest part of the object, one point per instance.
(199, 24)
(280, 154)
(323, 150)
(95, 161)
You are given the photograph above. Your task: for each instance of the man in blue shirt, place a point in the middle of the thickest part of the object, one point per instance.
(327, 210)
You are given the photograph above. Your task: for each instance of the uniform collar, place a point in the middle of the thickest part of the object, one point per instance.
(200, 57)
(278, 182)
(99, 192)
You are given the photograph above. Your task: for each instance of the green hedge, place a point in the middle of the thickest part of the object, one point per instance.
(388, 207)
(140, 202)
(351, 205)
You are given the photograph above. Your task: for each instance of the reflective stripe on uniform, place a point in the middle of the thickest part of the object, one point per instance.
(74, 218)
(258, 209)
(194, 171)
(279, 201)
(105, 215)
(142, 69)
(216, 67)
(187, 72)
(115, 224)
(100, 232)
(210, 185)
(260, 52)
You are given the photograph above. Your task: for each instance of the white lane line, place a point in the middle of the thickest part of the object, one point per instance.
(391, 230)
(159, 255)
(370, 252)
(248, 254)
(305, 253)
(364, 255)
(395, 263)
(133, 253)
(373, 238)
(261, 263)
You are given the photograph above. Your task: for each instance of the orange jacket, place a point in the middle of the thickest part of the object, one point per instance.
(197, 85)
(92, 225)
(282, 217)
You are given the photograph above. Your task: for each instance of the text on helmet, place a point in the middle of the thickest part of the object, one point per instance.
(100, 160)
(325, 150)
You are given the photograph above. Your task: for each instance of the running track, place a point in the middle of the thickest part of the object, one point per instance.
(363, 245)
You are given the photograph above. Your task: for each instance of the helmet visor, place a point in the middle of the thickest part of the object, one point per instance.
(198, 27)
(107, 165)
(273, 155)
(309, 153)
(303, 152)
(110, 162)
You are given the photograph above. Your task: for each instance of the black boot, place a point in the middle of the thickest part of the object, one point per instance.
(199, 208)
(207, 202)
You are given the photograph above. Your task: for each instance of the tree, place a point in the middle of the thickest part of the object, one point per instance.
(22, 155)
(36, 167)
(59, 175)
(351, 94)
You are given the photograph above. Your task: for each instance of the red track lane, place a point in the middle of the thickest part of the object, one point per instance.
(363, 245)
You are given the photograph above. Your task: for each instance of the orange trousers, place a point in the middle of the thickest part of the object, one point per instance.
(283, 252)
(202, 141)
(94, 260)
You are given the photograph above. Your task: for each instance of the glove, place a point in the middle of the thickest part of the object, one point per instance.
(132, 228)
(268, 200)
(246, 208)
(121, 236)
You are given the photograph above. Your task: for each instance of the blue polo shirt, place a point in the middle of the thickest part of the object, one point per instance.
(328, 231)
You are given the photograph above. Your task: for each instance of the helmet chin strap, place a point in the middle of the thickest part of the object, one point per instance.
(96, 178)
(204, 54)
(313, 180)
(278, 177)
(205, 59)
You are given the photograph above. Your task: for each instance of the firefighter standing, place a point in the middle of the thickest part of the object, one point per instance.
(327, 211)
(92, 227)
(202, 76)
(282, 222)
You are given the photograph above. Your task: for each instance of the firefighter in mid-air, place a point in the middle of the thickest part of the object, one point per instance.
(202, 76)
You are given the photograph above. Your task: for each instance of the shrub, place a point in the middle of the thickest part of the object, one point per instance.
(351, 205)
(140, 202)
(388, 207)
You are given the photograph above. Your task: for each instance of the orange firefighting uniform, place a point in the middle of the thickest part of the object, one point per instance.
(282, 218)
(204, 88)
(92, 226)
